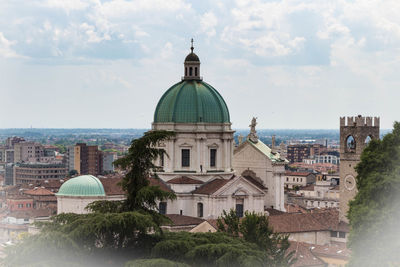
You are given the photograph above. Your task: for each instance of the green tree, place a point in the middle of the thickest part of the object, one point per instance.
(254, 228)
(72, 173)
(374, 214)
(139, 162)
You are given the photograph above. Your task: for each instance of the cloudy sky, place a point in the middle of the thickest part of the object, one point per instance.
(105, 64)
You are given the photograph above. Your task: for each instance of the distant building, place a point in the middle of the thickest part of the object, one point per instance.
(28, 152)
(6, 155)
(11, 141)
(9, 174)
(298, 152)
(85, 159)
(325, 158)
(293, 179)
(108, 159)
(29, 172)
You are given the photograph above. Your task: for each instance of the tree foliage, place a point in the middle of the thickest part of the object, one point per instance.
(374, 214)
(254, 228)
(139, 162)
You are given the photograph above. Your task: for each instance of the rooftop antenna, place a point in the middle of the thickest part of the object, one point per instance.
(191, 48)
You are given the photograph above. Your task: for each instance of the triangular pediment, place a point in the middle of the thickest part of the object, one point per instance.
(239, 186)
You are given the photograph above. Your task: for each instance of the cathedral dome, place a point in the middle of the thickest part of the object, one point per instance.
(191, 101)
(84, 185)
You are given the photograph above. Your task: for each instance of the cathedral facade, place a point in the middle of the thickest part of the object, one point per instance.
(199, 165)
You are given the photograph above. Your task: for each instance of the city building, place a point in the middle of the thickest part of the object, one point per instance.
(85, 159)
(298, 179)
(29, 172)
(108, 159)
(299, 152)
(28, 152)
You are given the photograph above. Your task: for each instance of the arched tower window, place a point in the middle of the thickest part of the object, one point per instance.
(199, 209)
(350, 142)
(186, 71)
(190, 71)
(195, 71)
(368, 139)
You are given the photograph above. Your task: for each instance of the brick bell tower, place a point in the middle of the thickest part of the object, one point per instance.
(355, 133)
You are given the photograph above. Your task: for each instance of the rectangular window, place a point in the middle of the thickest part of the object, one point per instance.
(162, 208)
(185, 157)
(213, 157)
(239, 210)
(333, 234)
(342, 235)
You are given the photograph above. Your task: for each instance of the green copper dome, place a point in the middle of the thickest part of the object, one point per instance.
(84, 185)
(191, 101)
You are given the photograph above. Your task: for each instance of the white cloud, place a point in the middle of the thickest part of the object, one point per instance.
(92, 35)
(121, 8)
(208, 22)
(6, 50)
(67, 5)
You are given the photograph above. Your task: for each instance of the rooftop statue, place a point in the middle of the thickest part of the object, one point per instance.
(253, 133)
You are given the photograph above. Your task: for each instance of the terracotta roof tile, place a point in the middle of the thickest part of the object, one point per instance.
(184, 180)
(181, 220)
(304, 255)
(305, 222)
(273, 212)
(38, 191)
(160, 183)
(211, 186)
(111, 186)
(333, 250)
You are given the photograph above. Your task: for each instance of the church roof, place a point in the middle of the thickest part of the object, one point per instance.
(184, 180)
(267, 151)
(160, 183)
(191, 101)
(211, 186)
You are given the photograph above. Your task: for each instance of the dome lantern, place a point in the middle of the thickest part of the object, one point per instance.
(192, 66)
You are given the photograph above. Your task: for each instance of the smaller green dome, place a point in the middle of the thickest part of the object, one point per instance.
(84, 185)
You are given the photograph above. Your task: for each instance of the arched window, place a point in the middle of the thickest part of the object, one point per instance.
(162, 208)
(190, 71)
(195, 71)
(199, 209)
(186, 71)
(350, 142)
(368, 139)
